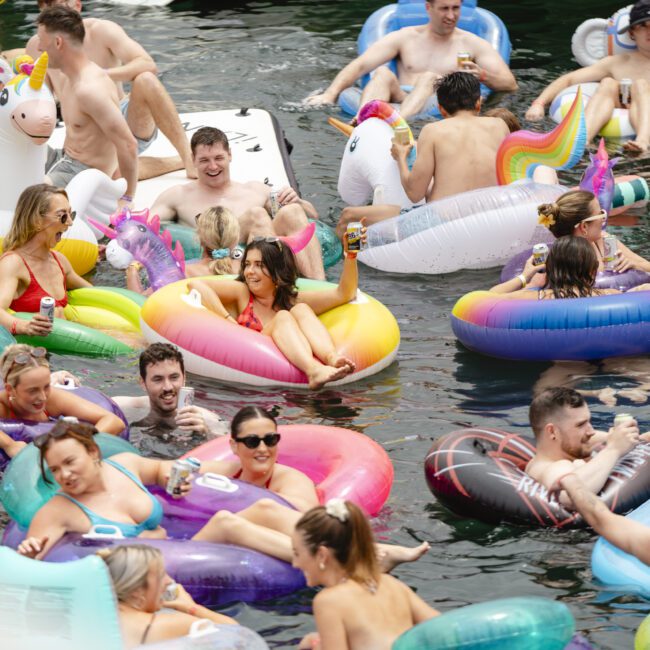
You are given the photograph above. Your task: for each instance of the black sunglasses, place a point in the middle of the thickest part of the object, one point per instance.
(253, 442)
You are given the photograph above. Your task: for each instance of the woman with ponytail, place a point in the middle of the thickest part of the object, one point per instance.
(360, 607)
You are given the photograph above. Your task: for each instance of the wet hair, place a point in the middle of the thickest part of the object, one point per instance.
(218, 228)
(33, 204)
(280, 264)
(43, 4)
(568, 211)
(511, 120)
(571, 268)
(351, 541)
(129, 566)
(458, 91)
(246, 414)
(545, 406)
(208, 136)
(158, 352)
(82, 432)
(11, 375)
(63, 20)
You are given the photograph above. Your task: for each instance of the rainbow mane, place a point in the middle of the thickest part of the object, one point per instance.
(521, 152)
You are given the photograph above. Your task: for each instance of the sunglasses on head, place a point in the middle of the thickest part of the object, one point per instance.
(253, 442)
(24, 358)
(268, 240)
(63, 427)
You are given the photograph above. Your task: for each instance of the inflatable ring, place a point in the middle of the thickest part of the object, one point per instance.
(363, 330)
(618, 127)
(342, 463)
(553, 330)
(527, 622)
(479, 473)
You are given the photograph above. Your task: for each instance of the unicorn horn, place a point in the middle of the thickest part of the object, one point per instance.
(299, 240)
(109, 232)
(37, 77)
(345, 129)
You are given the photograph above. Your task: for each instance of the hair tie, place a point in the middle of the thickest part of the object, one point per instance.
(546, 220)
(220, 253)
(336, 508)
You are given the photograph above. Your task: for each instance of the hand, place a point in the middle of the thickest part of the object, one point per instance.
(190, 418)
(531, 269)
(319, 100)
(287, 195)
(535, 112)
(400, 151)
(183, 601)
(473, 68)
(63, 378)
(310, 641)
(33, 547)
(364, 238)
(39, 325)
(623, 437)
(623, 263)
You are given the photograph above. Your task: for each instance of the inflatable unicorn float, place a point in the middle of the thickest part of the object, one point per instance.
(27, 120)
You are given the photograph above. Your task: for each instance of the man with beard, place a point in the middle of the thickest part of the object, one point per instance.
(566, 441)
(424, 54)
(162, 375)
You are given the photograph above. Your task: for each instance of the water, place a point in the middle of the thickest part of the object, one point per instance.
(283, 51)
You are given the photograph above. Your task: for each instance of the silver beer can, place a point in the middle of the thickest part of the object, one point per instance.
(622, 418)
(47, 308)
(610, 249)
(179, 474)
(185, 397)
(625, 92)
(274, 200)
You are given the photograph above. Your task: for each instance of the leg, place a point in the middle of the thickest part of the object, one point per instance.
(150, 167)
(640, 116)
(286, 333)
(291, 219)
(271, 514)
(372, 213)
(255, 222)
(601, 106)
(382, 85)
(546, 175)
(150, 105)
(416, 99)
(319, 338)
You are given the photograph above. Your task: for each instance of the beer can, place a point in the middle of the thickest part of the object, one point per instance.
(47, 307)
(185, 397)
(402, 135)
(462, 57)
(625, 91)
(274, 200)
(353, 234)
(193, 463)
(609, 252)
(622, 418)
(179, 474)
(171, 591)
(540, 253)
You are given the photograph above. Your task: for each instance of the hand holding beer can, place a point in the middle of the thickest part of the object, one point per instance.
(610, 250)
(274, 200)
(402, 135)
(47, 308)
(622, 418)
(540, 253)
(353, 236)
(179, 474)
(461, 58)
(185, 397)
(625, 92)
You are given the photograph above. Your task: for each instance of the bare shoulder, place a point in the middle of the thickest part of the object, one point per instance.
(63, 260)
(473, 42)
(173, 195)
(11, 262)
(290, 475)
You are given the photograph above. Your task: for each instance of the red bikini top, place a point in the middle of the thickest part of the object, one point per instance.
(30, 300)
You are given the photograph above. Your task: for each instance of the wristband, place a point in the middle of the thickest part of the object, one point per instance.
(126, 197)
(192, 610)
(351, 255)
(14, 325)
(537, 101)
(483, 76)
(135, 265)
(522, 278)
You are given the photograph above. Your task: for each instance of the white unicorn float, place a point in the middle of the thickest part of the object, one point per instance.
(27, 120)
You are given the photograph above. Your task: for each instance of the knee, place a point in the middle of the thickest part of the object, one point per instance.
(609, 86)
(266, 505)
(641, 86)
(223, 522)
(385, 74)
(291, 215)
(298, 310)
(348, 214)
(283, 317)
(427, 79)
(257, 220)
(146, 82)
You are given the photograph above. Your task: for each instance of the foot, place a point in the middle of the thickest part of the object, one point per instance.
(390, 556)
(635, 395)
(337, 360)
(322, 375)
(190, 169)
(635, 146)
(607, 396)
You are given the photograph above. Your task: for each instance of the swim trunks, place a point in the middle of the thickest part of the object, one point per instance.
(60, 168)
(142, 143)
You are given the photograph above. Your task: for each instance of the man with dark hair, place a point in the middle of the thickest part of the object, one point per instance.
(566, 441)
(147, 107)
(423, 54)
(249, 201)
(162, 375)
(97, 135)
(609, 71)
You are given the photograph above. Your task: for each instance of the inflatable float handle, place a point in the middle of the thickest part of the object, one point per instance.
(218, 482)
(193, 299)
(97, 532)
(201, 628)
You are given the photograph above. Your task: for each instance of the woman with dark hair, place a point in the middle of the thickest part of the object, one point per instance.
(359, 607)
(571, 269)
(264, 298)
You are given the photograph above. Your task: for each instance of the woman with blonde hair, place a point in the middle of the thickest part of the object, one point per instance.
(29, 269)
(359, 607)
(142, 588)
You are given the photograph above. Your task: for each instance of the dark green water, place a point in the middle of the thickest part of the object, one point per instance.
(272, 54)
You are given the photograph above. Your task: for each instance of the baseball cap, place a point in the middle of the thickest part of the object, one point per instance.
(640, 13)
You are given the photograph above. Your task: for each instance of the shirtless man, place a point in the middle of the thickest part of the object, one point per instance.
(249, 201)
(97, 135)
(609, 71)
(147, 107)
(566, 441)
(423, 54)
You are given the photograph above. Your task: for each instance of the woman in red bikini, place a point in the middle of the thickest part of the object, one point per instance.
(265, 299)
(29, 269)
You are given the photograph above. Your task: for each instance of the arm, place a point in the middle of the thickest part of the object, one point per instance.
(133, 57)
(201, 420)
(383, 50)
(517, 283)
(628, 259)
(298, 489)
(420, 611)
(63, 402)
(129, 402)
(165, 206)
(329, 622)
(416, 182)
(47, 528)
(628, 535)
(191, 612)
(287, 195)
(594, 72)
(491, 69)
(215, 293)
(10, 446)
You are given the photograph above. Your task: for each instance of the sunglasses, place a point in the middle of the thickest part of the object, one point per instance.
(24, 358)
(268, 240)
(64, 215)
(62, 429)
(601, 215)
(253, 442)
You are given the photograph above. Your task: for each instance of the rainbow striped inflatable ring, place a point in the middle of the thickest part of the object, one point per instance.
(363, 330)
(545, 330)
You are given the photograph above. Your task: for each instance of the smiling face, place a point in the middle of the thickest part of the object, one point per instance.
(443, 15)
(73, 467)
(212, 164)
(257, 276)
(28, 397)
(162, 382)
(573, 432)
(305, 561)
(261, 459)
(56, 221)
